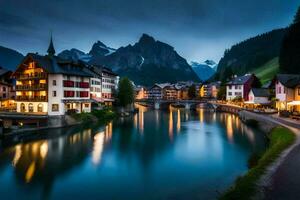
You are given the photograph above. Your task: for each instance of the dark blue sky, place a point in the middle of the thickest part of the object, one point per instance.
(198, 29)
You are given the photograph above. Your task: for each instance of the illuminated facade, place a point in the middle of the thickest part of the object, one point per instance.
(103, 84)
(239, 87)
(287, 90)
(52, 86)
(7, 90)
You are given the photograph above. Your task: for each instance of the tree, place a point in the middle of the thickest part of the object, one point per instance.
(125, 92)
(297, 17)
(222, 93)
(192, 91)
(289, 58)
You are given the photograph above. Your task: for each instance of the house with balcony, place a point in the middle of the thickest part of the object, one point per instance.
(103, 84)
(109, 83)
(156, 91)
(49, 85)
(287, 92)
(240, 86)
(170, 92)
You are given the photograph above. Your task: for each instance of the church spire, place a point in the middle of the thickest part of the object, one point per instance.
(51, 50)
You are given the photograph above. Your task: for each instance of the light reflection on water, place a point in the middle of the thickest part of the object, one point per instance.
(177, 153)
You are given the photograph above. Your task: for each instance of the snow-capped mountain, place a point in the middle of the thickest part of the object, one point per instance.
(204, 70)
(75, 54)
(98, 51)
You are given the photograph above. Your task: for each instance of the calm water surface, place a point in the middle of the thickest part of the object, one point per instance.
(174, 154)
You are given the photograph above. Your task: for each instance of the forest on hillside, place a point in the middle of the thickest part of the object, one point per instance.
(250, 54)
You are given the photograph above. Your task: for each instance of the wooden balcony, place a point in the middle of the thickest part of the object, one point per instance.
(31, 87)
(32, 98)
(32, 76)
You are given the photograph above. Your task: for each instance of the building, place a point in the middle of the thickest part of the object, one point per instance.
(52, 86)
(214, 89)
(7, 90)
(156, 91)
(103, 84)
(109, 82)
(259, 97)
(239, 87)
(287, 92)
(140, 92)
(95, 83)
(170, 92)
(204, 91)
(209, 90)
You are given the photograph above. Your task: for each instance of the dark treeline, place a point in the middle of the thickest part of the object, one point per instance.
(289, 59)
(250, 54)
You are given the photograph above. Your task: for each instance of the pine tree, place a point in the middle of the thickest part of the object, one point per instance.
(297, 16)
(289, 59)
(125, 92)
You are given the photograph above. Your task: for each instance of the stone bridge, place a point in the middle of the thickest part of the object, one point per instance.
(162, 103)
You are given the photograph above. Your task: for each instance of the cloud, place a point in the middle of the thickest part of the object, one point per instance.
(191, 26)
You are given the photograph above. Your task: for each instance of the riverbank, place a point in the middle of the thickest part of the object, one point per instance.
(97, 116)
(245, 187)
(264, 180)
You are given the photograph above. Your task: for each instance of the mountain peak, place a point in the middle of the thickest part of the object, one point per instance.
(99, 44)
(100, 49)
(210, 62)
(146, 39)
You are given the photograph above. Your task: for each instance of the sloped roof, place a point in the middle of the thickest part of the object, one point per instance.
(56, 65)
(240, 80)
(261, 92)
(289, 80)
(3, 71)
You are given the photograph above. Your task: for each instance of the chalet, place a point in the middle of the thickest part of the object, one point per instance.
(156, 91)
(170, 92)
(287, 90)
(239, 87)
(52, 86)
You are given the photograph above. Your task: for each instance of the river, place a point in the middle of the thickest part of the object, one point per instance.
(174, 154)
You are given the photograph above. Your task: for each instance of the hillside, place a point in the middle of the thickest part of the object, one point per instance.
(9, 58)
(267, 71)
(246, 56)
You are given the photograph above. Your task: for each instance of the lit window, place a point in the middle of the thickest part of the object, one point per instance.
(55, 108)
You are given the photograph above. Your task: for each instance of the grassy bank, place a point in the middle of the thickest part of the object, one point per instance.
(245, 186)
(104, 115)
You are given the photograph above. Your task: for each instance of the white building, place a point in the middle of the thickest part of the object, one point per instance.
(51, 86)
(240, 87)
(109, 85)
(103, 84)
(259, 96)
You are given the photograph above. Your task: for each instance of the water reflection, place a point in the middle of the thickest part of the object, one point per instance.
(98, 147)
(202, 148)
(178, 121)
(229, 127)
(171, 125)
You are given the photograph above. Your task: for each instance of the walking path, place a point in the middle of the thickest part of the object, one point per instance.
(282, 179)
